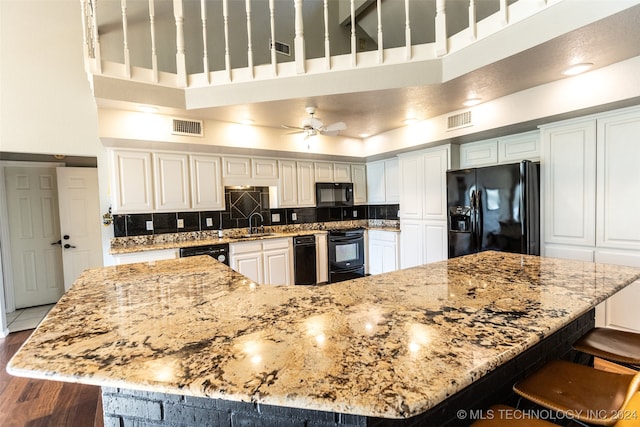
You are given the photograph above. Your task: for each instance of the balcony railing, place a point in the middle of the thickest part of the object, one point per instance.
(197, 43)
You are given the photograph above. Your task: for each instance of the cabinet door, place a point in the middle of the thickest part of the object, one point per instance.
(435, 241)
(131, 181)
(306, 184)
(434, 205)
(411, 185)
(322, 261)
(288, 191)
(569, 183)
(376, 182)
(264, 168)
(481, 153)
(391, 181)
(207, 192)
(342, 172)
(323, 172)
(236, 167)
(277, 265)
(359, 179)
(411, 244)
(515, 148)
(618, 196)
(376, 256)
(249, 265)
(171, 182)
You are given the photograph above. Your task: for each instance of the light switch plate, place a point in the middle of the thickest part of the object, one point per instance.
(149, 225)
(180, 223)
(294, 216)
(275, 217)
(209, 222)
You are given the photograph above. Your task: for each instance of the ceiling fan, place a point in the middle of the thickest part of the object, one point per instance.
(312, 126)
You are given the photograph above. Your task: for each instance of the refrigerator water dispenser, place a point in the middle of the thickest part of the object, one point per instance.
(460, 218)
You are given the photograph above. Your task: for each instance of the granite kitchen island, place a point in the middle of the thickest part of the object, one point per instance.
(190, 340)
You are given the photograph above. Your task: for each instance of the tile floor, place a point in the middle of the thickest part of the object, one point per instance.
(27, 318)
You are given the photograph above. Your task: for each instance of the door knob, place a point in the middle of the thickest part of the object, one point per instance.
(67, 246)
(59, 242)
(65, 237)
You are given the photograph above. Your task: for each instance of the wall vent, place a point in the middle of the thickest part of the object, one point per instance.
(187, 127)
(282, 48)
(459, 120)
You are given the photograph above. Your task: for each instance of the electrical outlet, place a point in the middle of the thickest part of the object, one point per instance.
(180, 223)
(149, 225)
(294, 216)
(355, 214)
(209, 222)
(275, 217)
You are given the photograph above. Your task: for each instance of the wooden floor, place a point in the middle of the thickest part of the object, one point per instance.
(35, 403)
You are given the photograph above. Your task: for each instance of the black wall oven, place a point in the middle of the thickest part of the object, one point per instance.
(346, 254)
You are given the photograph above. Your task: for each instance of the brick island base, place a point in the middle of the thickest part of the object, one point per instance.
(129, 408)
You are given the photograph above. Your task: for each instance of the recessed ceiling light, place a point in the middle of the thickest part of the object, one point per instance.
(577, 69)
(147, 109)
(471, 102)
(410, 121)
(364, 135)
(246, 122)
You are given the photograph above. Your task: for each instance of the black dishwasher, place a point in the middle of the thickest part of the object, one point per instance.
(219, 252)
(304, 260)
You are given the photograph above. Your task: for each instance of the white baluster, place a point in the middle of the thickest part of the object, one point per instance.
(504, 12)
(407, 31)
(125, 40)
(299, 38)
(272, 18)
(353, 34)
(96, 37)
(181, 63)
(152, 29)
(84, 14)
(227, 57)
(473, 33)
(247, 4)
(441, 29)
(380, 40)
(205, 54)
(327, 46)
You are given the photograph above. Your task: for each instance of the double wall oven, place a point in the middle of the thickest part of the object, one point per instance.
(346, 254)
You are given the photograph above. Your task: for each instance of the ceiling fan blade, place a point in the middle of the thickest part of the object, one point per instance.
(329, 132)
(293, 127)
(295, 132)
(335, 127)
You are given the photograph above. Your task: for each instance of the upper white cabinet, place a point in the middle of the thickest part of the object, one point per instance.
(236, 167)
(207, 192)
(323, 171)
(481, 153)
(383, 186)
(296, 184)
(171, 183)
(264, 168)
(342, 172)
(131, 181)
(239, 170)
(306, 184)
(359, 179)
(507, 149)
(434, 196)
(569, 159)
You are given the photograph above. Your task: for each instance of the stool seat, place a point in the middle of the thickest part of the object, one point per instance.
(611, 344)
(503, 416)
(585, 393)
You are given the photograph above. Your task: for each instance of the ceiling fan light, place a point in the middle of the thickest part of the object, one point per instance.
(577, 69)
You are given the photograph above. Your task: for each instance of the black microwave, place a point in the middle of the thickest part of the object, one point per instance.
(329, 194)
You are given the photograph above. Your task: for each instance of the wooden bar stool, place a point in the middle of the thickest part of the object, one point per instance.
(611, 344)
(584, 393)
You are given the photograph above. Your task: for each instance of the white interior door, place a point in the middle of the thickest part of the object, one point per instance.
(32, 207)
(80, 221)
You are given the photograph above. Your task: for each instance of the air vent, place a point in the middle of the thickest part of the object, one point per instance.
(459, 120)
(187, 127)
(282, 48)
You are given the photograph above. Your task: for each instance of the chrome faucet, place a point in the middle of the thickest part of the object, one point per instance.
(251, 217)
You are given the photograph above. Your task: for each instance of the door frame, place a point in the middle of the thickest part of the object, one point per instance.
(5, 241)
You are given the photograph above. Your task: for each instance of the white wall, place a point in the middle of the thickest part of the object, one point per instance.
(46, 103)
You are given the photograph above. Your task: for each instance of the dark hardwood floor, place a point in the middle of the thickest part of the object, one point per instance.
(34, 403)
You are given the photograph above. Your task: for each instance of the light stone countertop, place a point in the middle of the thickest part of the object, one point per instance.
(390, 345)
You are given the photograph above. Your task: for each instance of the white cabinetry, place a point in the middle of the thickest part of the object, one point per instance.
(359, 179)
(131, 181)
(266, 262)
(589, 186)
(239, 170)
(342, 172)
(383, 251)
(171, 183)
(322, 258)
(306, 184)
(296, 184)
(506, 149)
(423, 205)
(481, 153)
(145, 256)
(323, 172)
(264, 168)
(236, 167)
(383, 186)
(207, 192)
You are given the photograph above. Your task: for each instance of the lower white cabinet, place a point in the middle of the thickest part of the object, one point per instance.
(620, 310)
(422, 242)
(322, 258)
(267, 262)
(146, 256)
(383, 251)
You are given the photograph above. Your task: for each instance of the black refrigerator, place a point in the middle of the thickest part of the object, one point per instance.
(494, 208)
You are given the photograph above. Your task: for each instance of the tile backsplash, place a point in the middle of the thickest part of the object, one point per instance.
(136, 224)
